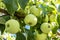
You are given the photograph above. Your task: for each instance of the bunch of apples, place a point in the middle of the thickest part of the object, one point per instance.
(36, 15)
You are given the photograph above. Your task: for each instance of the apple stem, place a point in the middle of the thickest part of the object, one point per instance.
(12, 16)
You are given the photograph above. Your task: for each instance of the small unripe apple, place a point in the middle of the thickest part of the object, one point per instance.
(46, 27)
(42, 36)
(12, 26)
(54, 24)
(31, 20)
(53, 18)
(35, 11)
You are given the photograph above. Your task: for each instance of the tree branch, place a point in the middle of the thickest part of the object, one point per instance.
(17, 14)
(4, 11)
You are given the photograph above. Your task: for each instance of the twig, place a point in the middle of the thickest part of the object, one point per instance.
(16, 13)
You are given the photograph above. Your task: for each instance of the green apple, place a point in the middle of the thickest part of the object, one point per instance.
(35, 11)
(42, 36)
(46, 27)
(31, 20)
(53, 18)
(53, 9)
(54, 24)
(12, 26)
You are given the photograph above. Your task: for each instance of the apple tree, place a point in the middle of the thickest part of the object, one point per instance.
(30, 19)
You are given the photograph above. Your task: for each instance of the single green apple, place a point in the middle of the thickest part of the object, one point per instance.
(46, 27)
(12, 26)
(31, 20)
(35, 11)
(53, 18)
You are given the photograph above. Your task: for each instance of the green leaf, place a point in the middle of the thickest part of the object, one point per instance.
(2, 28)
(30, 35)
(54, 30)
(40, 21)
(7, 17)
(58, 19)
(44, 8)
(23, 3)
(52, 3)
(3, 19)
(20, 36)
(49, 38)
(59, 8)
(11, 5)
